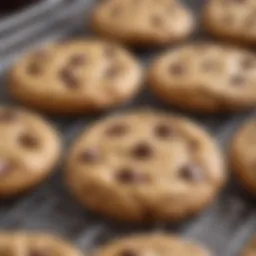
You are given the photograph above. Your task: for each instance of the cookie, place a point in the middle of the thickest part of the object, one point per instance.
(145, 166)
(76, 77)
(153, 244)
(29, 149)
(205, 77)
(31, 244)
(233, 20)
(243, 155)
(142, 22)
(250, 248)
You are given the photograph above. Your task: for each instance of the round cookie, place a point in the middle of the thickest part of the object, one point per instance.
(142, 22)
(29, 149)
(145, 166)
(153, 244)
(250, 248)
(205, 77)
(232, 20)
(243, 155)
(76, 77)
(31, 244)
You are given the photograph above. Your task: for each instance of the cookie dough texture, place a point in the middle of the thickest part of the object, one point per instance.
(250, 248)
(75, 77)
(154, 244)
(243, 155)
(233, 20)
(29, 149)
(145, 166)
(34, 244)
(205, 77)
(142, 22)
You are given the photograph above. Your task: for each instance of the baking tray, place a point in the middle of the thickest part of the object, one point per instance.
(223, 227)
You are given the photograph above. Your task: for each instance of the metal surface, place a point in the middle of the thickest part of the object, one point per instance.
(224, 227)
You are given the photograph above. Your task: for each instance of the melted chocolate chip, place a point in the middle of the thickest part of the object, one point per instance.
(4, 167)
(142, 151)
(128, 175)
(28, 141)
(89, 156)
(237, 80)
(112, 72)
(34, 68)
(128, 252)
(8, 116)
(77, 60)
(191, 172)
(164, 131)
(177, 69)
(117, 130)
(68, 78)
(156, 21)
(37, 252)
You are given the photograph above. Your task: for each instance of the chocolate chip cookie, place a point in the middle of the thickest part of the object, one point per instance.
(205, 77)
(145, 166)
(29, 149)
(243, 155)
(76, 77)
(153, 244)
(31, 244)
(143, 22)
(232, 19)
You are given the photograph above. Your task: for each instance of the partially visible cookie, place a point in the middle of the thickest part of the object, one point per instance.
(34, 244)
(142, 22)
(205, 77)
(250, 248)
(243, 155)
(145, 166)
(76, 77)
(232, 19)
(29, 150)
(153, 244)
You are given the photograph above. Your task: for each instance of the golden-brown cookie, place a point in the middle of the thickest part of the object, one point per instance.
(29, 150)
(34, 244)
(142, 22)
(76, 77)
(205, 77)
(145, 166)
(243, 155)
(234, 20)
(153, 244)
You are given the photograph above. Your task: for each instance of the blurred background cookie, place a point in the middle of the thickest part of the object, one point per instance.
(205, 78)
(29, 149)
(76, 77)
(143, 22)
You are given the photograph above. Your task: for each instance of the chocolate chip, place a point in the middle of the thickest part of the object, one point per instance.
(237, 80)
(248, 63)
(164, 131)
(39, 252)
(129, 175)
(191, 172)
(68, 78)
(77, 60)
(28, 141)
(89, 156)
(157, 21)
(117, 130)
(4, 167)
(112, 72)
(34, 68)
(177, 69)
(193, 144)
(8, 116)
(128, 252)
(142, 151)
